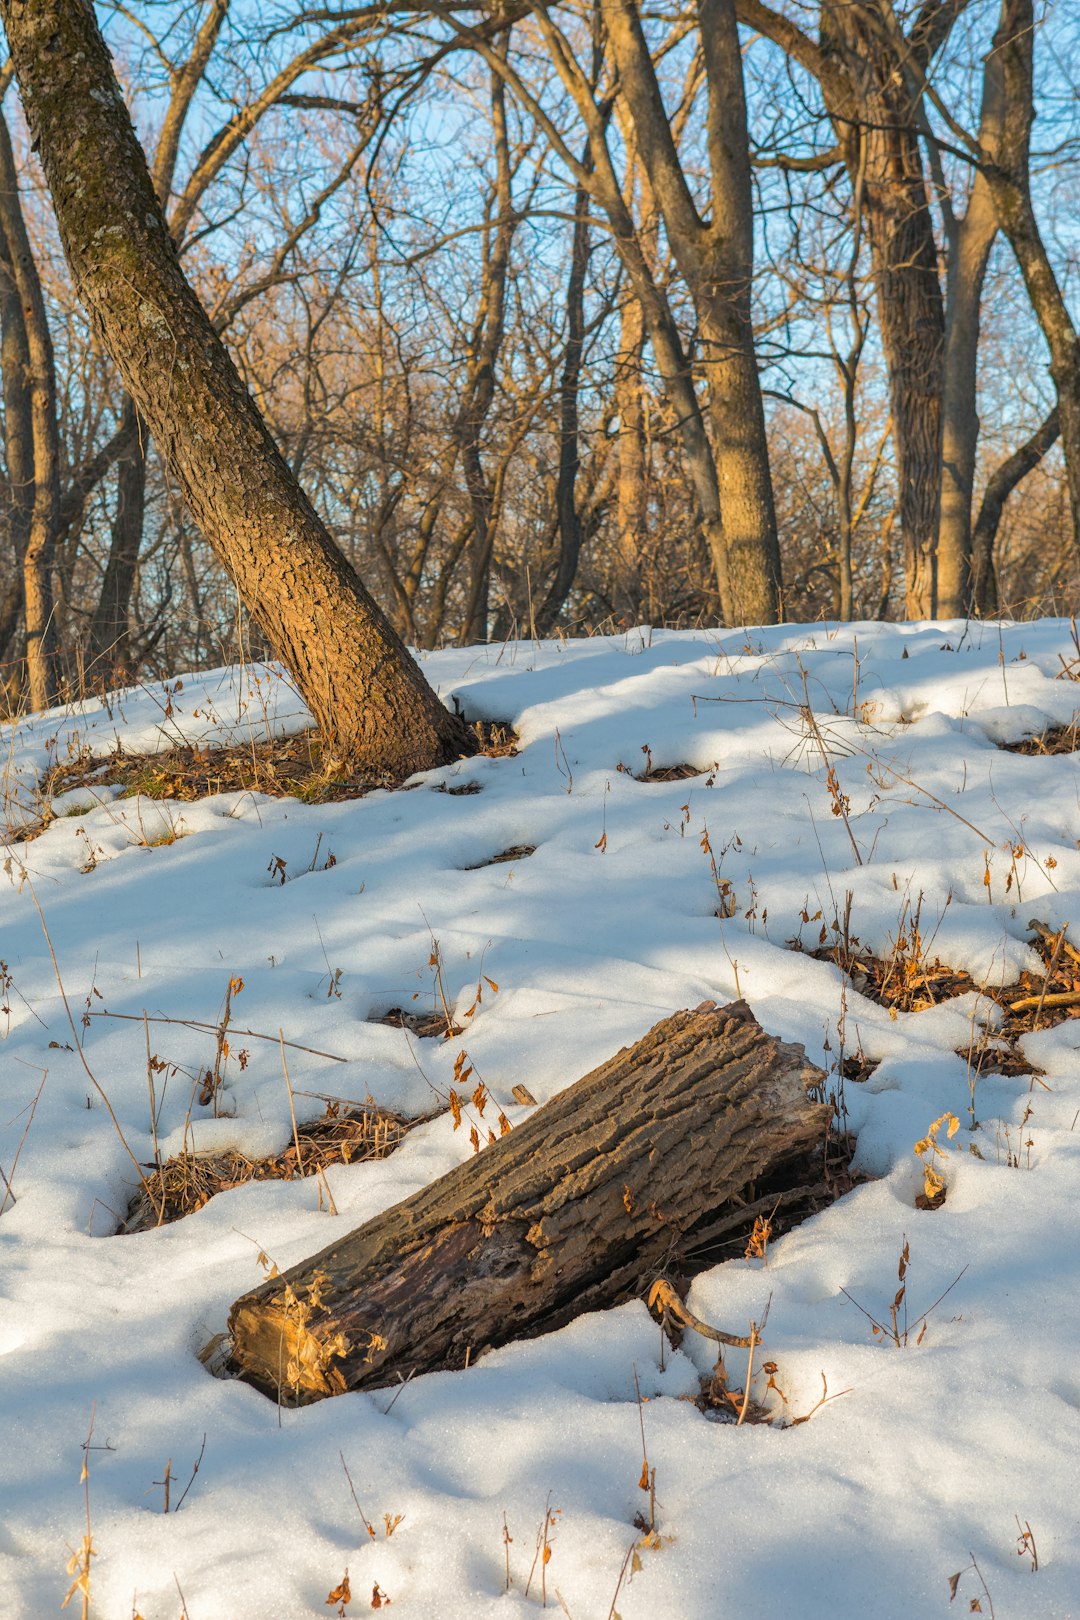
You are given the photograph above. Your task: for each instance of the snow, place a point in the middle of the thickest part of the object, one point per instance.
(931, 1452)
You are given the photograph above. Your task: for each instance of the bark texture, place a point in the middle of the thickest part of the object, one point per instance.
(366, 693)
(570, 1211)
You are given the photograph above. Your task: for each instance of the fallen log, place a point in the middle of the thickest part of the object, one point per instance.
(578, 1207)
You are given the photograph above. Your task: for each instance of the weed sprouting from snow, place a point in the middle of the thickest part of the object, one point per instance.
(931, 1153)
(898, 1330)
(975, 1603)
(79, 1562)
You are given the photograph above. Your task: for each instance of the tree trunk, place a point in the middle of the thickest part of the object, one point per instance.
(365, 691)
(716, 261)
(480, 387)
(107, 651)
(960, 420)
(873, 110)
(1010, 184)
(40, 546)
(18, 455)
(631, 499)
(1000, 485)
(570, 1211)
(969, 242)
(566, 507)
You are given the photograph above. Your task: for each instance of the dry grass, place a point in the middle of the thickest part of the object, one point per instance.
(1055, 740)
(341, 1136)
(906, 982)
(284, 767)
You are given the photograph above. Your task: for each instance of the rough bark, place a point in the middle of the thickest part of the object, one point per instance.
(873, 108)
(570, 1211)
(999, 486)
(367, 695)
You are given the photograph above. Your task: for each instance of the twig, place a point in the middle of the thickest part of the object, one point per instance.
(356, 1499)
(622, 1576)
(663, 1297)
(194, 1471)
(754, 1341)
(79, 1048)
(292, 1105)
(198, 1023)
(7, 1180)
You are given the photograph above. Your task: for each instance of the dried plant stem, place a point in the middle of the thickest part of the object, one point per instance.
(839, 802)
(754, 1342)
(7, 1180)
(79, 1047)
(198, 1023)
(292, 1104)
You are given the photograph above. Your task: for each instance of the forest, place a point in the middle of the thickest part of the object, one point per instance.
(568, 317)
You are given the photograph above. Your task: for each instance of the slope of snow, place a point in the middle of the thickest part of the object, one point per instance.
(932, 1453)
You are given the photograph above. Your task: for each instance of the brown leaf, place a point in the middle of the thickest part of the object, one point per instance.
(340, 1594)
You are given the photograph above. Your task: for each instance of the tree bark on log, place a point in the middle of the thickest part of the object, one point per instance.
(579, 1206)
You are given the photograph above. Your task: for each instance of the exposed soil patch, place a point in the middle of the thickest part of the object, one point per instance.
(516, 852)
(285, 767)
(1055, 740)
(906, 982)
(668, 773)
(424, 1025)
(342, 1136)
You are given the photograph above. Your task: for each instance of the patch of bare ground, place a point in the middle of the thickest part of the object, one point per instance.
(343, 1135)
(516, 852)
(286, 767)
(1054, 740)
(424, 1025)
(906, 982)
(667, 773)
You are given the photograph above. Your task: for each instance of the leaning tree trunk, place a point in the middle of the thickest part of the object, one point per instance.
(583, 1203)
(366, 693)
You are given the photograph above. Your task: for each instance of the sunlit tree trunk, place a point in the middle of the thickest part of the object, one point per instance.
(365, 691)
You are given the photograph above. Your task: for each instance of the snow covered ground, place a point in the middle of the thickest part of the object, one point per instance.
(935, 1451)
